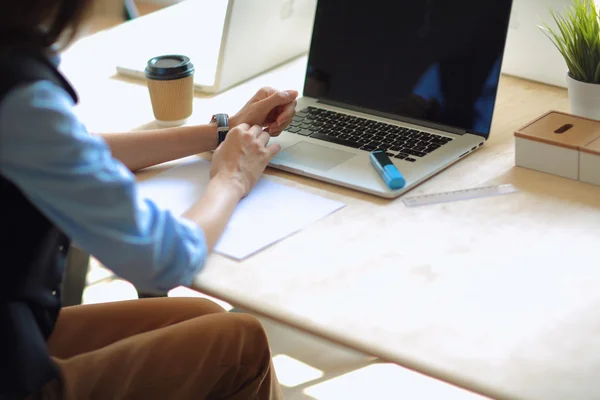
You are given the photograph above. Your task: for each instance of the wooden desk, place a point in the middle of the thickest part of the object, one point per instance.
(498, 295)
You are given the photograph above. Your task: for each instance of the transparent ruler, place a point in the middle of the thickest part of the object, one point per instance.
(458, 195)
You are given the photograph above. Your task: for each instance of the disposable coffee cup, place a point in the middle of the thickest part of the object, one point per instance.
(170, 80)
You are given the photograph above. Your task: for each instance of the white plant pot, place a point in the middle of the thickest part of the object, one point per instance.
(584, 98)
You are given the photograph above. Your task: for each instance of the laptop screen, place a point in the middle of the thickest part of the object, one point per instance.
(436, 61)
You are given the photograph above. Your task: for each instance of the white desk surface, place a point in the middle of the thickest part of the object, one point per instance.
(500, 295)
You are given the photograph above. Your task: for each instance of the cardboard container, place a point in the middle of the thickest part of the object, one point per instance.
(170, 81)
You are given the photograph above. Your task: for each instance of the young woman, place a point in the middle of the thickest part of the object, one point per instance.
(60, 183)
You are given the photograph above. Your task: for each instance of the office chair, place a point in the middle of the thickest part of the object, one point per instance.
(74, 278)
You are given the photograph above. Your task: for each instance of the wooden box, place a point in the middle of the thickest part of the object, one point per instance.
(560, 144)
(589, 163)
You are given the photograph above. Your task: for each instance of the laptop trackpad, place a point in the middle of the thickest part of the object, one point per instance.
(312, 156)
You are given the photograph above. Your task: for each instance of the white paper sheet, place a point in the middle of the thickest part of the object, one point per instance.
(268, 214)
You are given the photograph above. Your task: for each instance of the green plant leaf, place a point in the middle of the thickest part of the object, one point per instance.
(576, 36)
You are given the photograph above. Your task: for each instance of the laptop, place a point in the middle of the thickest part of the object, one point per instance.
(227, 41)
(529, 53)
(417, 79)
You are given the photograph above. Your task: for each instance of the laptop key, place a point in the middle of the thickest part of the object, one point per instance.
(410, 159)
(437, 142)
(368, 147)
(304, 132)
(400, 156)
(293, 129)
(336, 140)
(413, 152)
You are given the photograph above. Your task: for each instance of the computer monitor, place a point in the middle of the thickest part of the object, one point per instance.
(228, 41)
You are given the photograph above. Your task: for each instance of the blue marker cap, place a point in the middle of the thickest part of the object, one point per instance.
(387, 170)
(395, 178)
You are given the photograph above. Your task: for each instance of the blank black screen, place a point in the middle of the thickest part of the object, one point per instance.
(433, 60)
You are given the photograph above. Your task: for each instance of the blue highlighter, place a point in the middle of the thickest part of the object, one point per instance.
(388, 171)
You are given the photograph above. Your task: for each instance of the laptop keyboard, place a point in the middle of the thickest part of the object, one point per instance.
(361, 133)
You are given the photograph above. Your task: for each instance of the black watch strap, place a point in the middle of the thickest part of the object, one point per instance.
(222, 121)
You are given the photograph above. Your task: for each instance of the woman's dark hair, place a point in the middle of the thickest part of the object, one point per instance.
(56, 20)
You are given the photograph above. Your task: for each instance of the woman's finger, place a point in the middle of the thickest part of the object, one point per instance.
(255, 130)
(287, 114)
(273, 127)
(263, 138)
(275, 132)
(273, 114)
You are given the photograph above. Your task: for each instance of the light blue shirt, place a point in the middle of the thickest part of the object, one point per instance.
(71, 177)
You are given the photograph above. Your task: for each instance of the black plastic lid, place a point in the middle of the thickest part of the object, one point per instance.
(168, 67)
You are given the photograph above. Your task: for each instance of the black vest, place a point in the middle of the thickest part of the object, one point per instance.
(33, 255)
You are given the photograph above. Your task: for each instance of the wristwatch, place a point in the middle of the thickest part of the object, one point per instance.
(222, 121)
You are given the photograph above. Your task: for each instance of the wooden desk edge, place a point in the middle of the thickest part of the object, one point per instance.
(403, 361)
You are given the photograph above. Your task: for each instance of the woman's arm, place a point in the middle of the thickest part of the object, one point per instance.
(236, 168)
(269, 108)
(71, 178)
(141, 149)
(214, 210)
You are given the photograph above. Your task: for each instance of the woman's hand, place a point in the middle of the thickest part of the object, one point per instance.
(270, 109)
(242, 157)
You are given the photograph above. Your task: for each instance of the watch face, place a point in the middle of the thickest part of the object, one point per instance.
(222, 121)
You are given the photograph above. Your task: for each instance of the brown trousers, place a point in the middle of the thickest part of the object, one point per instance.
(163, 348)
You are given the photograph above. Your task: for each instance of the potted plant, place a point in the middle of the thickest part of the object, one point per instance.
(577, 37)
